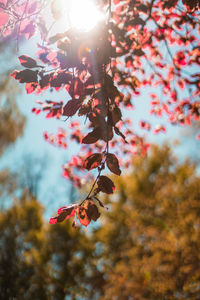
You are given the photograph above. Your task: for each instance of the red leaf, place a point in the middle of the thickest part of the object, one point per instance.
(105, 185)
(92, 137)
(27, 61)
(82, 216)
(118, 132)
(53, 220)
(87, 212)
(91, 210)
(113, 164)
(60, 78)
(116, 115)
(198, 137)
(71, 107)
(93, 161)
(25, 76)
(100, 203)
(139, 52)
(64, 213)
(107, 133)
(31, 87)
(44, 81)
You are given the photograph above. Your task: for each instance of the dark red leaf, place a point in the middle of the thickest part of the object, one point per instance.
(60, 78)
(100, 203)
(27, 61)
(97, 120)
(139, 52)
(91, 210)
(77, 88)
(93, 136)
(107, 133)
(113, 164)
(116, 115)
(93, 161)
(44, 81)
(105, 185)
(25, 76)
(84, 109)
(118, 132)
(67, 62)
(71, 107)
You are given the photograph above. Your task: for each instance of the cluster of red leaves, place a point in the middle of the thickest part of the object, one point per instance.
(21, 15)
(192, 4)
(145, 44)
(159, 128)
(185, 112)
(57, 140)
(98, 161)
(85, 213)
(72, 170)
(53, 109)
(145, 125)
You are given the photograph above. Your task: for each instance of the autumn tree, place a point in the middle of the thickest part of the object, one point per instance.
(149, 241)
(136, 46)
(40, 261)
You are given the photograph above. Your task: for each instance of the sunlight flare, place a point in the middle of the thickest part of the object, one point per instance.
(82, 15)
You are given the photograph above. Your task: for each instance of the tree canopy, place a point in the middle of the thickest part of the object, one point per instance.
(137, 46)
(150, 237)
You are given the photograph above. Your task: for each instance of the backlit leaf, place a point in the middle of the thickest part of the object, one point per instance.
(82, 216)
(113, 164)
(107, 133)
(25, 76)
(71, 107)
(118, 132)
(93, 161)
(116, 115)
(105, 185)
(64, 213)
(27, 61)
(91, 210)
(92, 137)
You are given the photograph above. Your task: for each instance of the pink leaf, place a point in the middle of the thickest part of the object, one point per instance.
(3, 19)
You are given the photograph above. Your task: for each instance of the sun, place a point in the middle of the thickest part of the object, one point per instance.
(82, 15)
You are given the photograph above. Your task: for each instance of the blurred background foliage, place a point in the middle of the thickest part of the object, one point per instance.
(147, 246)
(12, 122)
